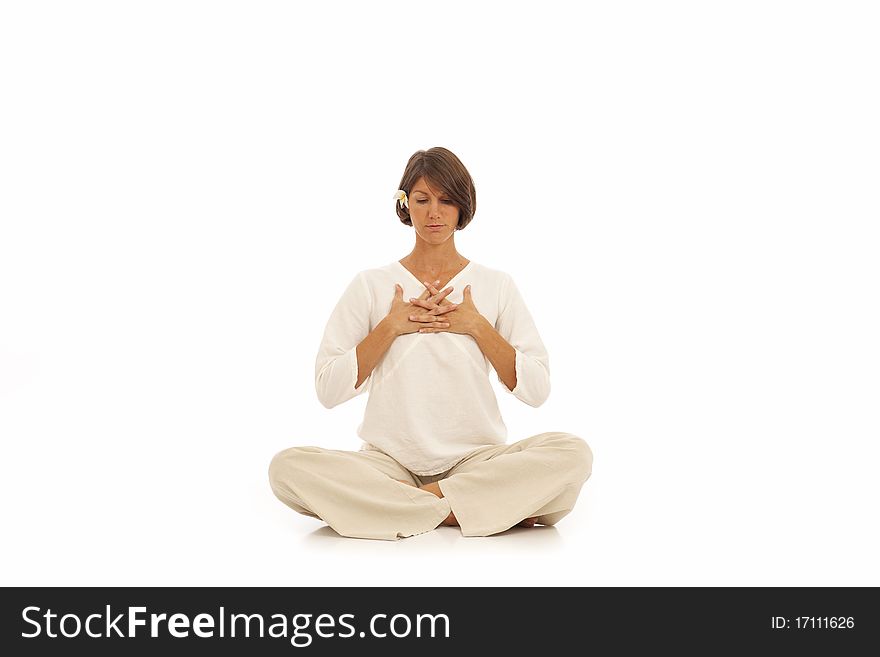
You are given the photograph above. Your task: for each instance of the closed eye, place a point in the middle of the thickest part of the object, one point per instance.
(425, 201)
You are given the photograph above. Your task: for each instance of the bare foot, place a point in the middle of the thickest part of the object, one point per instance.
(450, 519)
(434, 487)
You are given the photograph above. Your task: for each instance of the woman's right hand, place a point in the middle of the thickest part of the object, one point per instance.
(399, 315)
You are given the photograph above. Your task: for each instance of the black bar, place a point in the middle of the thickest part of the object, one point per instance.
(811, 620)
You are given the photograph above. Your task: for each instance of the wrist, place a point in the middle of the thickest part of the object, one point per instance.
(481, 328)
(387, 327)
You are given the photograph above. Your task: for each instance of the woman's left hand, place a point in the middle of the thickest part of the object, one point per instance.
(464, 318)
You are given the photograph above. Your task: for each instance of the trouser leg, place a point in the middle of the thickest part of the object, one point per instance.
(356, 493)
(497, 486)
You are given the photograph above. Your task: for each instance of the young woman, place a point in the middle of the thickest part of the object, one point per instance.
(420, 334)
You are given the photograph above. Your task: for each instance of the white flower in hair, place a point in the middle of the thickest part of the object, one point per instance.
(400, 196)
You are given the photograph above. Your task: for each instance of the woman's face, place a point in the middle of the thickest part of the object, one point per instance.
(433, 214)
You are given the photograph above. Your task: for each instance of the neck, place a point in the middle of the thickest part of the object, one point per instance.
(434, 259)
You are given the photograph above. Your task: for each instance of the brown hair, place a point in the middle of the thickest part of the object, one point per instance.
(441, 169)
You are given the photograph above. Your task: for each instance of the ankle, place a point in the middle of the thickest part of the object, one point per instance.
(433, 487)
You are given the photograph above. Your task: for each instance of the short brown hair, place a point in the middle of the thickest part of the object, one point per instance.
(442, 169)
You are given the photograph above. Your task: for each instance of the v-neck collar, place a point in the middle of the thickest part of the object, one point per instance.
(413, 276)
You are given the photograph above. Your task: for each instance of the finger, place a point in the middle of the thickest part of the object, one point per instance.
(398, 292)
(424, 303)
(432, 292)
(439, 297)
(426, 319)
(437, 308)
(434, 327)
(446, 308)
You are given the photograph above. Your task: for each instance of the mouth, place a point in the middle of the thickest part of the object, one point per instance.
(434, 225)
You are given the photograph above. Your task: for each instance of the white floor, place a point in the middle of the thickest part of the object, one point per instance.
(149, 519)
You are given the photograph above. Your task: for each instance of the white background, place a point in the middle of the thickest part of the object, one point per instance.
(686, 194)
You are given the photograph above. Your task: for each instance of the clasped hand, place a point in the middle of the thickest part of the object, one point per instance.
(432, 312)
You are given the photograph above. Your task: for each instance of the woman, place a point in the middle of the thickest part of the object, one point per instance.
(434, 446)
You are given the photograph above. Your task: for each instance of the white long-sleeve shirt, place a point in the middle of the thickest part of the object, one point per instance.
(431, 401)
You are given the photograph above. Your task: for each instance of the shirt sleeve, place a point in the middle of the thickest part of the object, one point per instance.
(515, 325)
(336, 366)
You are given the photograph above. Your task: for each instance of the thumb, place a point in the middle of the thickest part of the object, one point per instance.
(398, 291)
(467, 291)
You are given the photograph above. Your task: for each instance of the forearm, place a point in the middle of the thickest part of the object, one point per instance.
(372, 348)
(499, 352)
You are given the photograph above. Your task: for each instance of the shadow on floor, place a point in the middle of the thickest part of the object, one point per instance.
(441, 539)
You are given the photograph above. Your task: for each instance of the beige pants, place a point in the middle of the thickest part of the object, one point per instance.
(489, 491)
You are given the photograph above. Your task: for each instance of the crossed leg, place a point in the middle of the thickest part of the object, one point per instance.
(499, 486)
(533, 481)
(357, 493)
